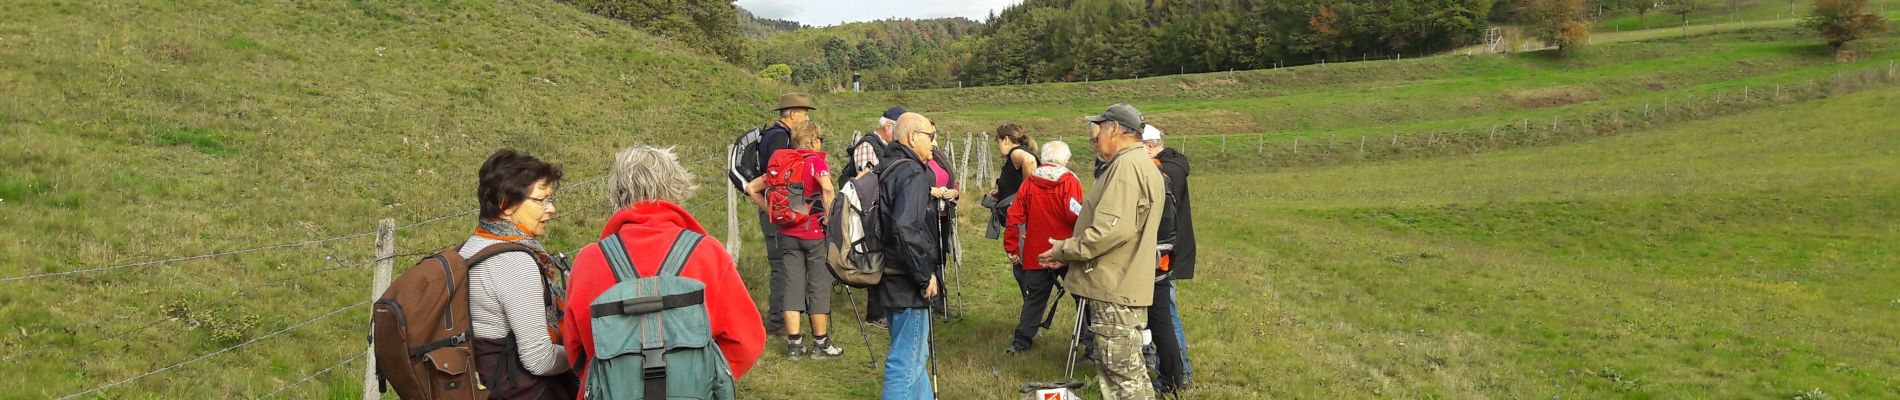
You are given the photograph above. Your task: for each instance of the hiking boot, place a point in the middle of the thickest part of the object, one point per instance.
(823, 348)
(795, 349)
(884, 324)
(1016, 348)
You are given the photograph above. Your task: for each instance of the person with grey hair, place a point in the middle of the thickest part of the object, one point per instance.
(1045, 209)
(793, 109)
(911, 190)
(1112, 251)
(1175, 240)
(865, 154)
(649, 185)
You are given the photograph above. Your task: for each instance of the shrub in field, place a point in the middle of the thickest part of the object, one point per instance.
(1558, 22)
(1842, 21)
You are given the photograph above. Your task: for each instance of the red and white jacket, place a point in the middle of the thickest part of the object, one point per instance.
(1045, 209)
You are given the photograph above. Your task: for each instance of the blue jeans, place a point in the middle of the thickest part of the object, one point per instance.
(906, 372)
(1187, 365)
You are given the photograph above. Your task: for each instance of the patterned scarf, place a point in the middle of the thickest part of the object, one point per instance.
(505, 230)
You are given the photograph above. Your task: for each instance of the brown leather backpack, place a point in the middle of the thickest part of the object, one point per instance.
(420, 332)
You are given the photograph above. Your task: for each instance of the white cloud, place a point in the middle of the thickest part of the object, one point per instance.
(774, 9)
(833, 12)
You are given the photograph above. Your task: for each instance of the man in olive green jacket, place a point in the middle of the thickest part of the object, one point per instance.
(1112, 254)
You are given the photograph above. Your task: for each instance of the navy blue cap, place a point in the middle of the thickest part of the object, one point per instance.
(893, 113)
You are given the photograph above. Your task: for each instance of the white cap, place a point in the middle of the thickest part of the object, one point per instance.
(1149, 132)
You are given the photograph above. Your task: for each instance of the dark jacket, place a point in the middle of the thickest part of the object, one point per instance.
(1174, 165)
(771, 140)
(913, 232)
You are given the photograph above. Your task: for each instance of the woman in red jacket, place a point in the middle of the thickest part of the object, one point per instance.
(1045, 209)
(649, 184)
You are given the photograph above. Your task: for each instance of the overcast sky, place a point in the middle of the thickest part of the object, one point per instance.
(833, 12)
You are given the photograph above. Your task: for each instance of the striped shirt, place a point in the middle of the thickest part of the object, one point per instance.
(505, 294)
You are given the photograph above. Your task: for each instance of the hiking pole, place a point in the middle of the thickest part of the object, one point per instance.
(931, 348)
(1075, 338)
(1049, 318)
(861, 322)
(957, 287)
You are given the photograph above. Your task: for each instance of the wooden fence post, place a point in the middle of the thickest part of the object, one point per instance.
(732, 222)
(963, 170)
(385, 254)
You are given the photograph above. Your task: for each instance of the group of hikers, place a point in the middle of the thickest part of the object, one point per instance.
(657, 308)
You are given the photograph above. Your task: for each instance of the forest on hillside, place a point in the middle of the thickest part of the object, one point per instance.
(1078, 40)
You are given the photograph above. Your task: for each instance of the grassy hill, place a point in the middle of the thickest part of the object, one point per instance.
(1723, 250)
(134, 131)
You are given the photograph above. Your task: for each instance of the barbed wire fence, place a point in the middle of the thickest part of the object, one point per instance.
(1220, 149)
(383, 262)
(1530, 128)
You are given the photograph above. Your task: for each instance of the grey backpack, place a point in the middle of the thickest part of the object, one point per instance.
(652, 337)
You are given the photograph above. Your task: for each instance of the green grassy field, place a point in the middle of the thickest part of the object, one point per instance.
(1721, 12)
(1732, 250)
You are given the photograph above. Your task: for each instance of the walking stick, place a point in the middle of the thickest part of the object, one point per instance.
(861, 322)
(957, 287)
(1075, 338)
(931, 337)
(1049, 318)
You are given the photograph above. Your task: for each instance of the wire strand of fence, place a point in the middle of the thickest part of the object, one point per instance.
(190, 258)
(307, 378)
(214, 353)
(576, 185)
(240, 293)
(583, 183)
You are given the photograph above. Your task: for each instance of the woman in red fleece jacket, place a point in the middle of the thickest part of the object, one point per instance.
(650, 184)
(1045, 209)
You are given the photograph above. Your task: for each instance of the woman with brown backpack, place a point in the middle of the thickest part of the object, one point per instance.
(517, 350)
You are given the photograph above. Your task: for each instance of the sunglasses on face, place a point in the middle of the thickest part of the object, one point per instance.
(933, 135)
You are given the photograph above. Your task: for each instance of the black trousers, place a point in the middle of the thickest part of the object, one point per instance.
(775, 283)
(1167, 345)
(1035, 285)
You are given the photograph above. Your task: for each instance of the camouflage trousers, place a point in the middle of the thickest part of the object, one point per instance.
(1117, 331)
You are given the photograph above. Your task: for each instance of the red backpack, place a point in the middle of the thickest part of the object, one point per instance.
(788, 201)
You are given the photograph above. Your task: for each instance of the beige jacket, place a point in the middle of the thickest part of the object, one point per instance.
(1113, 251)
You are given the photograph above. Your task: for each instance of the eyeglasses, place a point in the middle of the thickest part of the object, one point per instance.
(933, 135)
(546, 202)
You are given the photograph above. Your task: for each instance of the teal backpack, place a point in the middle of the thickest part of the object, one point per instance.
(652, 337)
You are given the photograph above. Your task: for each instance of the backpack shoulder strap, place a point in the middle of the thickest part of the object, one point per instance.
(616, 254)
(496, 250)
(682, 250)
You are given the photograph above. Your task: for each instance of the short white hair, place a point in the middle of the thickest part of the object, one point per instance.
(645, 173)
(885, 122)
(1056, 152)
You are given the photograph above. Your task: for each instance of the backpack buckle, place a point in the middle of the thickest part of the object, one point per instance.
(653, 365)
(642, 305)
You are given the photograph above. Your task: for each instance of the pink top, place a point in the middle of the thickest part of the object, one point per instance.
(943, 176)
(813, 228)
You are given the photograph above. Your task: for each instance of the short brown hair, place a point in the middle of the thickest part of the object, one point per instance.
(508, 177)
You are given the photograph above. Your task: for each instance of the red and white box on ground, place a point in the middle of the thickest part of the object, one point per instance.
(1056, 394)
